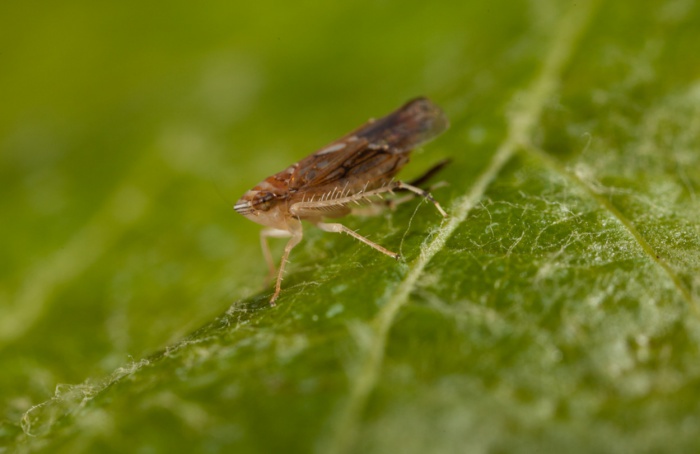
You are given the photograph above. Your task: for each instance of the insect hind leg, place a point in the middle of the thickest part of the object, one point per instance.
(311, 208)
(421, 192)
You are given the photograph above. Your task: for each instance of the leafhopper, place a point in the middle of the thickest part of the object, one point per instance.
(354, 169)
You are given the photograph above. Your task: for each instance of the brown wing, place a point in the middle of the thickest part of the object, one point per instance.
(414, 123)
(374, 152)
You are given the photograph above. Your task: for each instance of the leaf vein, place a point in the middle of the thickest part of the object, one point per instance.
(626, 222)
(527, 110)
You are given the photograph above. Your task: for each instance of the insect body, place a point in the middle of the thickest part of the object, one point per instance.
(354, 169)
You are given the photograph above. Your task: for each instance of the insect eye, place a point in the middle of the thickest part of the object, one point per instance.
(263, 201)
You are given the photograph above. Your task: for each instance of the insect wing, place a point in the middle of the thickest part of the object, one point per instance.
(322, 167)
(416, 122)
(376, 149)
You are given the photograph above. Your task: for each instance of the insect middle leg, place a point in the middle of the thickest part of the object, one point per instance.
(340, 228)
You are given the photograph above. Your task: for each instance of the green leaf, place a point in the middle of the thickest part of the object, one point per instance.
(556, 309)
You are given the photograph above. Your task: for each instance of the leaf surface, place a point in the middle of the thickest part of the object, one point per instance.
(556, 309)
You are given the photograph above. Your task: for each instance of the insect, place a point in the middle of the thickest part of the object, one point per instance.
(354, 169)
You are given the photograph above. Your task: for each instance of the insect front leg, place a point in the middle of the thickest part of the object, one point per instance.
(264, 235)
(340, 228)
(295, 230)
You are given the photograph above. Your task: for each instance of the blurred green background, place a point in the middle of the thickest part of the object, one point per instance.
(128, 130)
